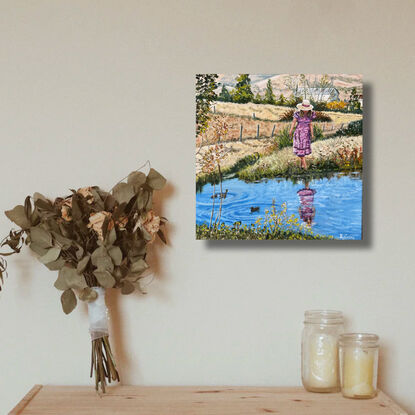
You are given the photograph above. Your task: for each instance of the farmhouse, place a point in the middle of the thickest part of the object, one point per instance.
(318, 94)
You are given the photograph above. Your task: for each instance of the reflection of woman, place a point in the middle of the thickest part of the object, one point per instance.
(307, 210)
(304, 132)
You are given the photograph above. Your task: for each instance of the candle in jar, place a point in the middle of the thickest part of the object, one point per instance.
(322, 361)
(358, 372)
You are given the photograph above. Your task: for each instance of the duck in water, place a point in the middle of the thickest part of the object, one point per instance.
(220, 195)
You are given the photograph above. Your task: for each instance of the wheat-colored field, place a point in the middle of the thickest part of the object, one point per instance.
(266, 118)
(235, 151)
(273, 112)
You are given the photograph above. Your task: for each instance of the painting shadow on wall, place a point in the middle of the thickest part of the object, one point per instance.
(367, 196)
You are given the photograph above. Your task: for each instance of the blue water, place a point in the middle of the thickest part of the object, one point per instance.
(335, 207)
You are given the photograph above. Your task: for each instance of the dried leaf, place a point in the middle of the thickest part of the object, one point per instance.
(127, 288)
(155, 180)
(50, 256)
(136, 178)
(111, 237)
(44, 204)
(71, 278)
(28, 207)
(56, 265)
(64, 243)
(76, 209)
(38, 249)
(18, 216)
(161, 236)
(68, 300)
(123, 192)
(104, 278)
(138, 266)
(115, 254)
(41, 237)
(88, 295)
(82, 264)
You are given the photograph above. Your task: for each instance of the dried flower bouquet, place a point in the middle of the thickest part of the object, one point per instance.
(95, 240)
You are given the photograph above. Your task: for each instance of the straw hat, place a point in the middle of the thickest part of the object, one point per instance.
(305, 105)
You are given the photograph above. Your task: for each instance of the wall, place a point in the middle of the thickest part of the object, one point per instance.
(92, 89)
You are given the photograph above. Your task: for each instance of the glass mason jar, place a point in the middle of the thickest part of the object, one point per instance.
(359, 354)
(319, 350)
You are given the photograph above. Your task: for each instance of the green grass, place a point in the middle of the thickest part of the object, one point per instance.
(341, 154)
(252, 232)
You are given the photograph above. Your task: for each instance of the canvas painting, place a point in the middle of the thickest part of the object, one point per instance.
(279, 156)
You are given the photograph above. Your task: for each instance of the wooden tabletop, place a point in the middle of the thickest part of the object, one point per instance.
(139, 400)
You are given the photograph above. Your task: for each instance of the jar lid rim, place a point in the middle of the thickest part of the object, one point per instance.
(369, 339)
(323, 316)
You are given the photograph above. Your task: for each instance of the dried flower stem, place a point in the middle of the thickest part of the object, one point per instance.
(102, 363)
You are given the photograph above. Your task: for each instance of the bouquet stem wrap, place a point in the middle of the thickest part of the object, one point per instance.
(102, 359)
(98, 315)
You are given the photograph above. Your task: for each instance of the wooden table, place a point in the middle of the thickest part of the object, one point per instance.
(138, 400)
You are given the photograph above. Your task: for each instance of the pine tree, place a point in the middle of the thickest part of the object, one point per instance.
(258, 99)
(281, 100)
(269, 94)
(224, 95)
(242, 92)
(354, 103)
(205, 95)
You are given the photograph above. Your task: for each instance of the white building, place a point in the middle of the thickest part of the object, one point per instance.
(318, 94)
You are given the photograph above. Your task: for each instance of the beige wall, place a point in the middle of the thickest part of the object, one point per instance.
(91, 89)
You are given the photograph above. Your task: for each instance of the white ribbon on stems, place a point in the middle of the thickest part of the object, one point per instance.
(98, 315)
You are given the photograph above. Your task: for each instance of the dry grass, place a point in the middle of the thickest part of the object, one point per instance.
(236, 151)
(266, 116)
(273, 112)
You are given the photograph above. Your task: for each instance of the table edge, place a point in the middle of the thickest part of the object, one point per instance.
(18, 409)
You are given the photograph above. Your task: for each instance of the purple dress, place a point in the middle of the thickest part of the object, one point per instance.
(302, 136)
(306, 204)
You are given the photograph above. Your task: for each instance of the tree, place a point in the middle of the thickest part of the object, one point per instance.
(258, 99)
(205, 95)
(224, 95)
(281, 100)
(269, 94)
(354, 103)
(242, 92)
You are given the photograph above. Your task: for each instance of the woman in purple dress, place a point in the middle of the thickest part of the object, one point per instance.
(304, 132)
(306, 209)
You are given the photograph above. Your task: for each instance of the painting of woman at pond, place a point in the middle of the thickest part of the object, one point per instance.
(279, 156)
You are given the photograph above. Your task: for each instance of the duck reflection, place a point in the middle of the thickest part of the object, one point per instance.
(306, 210)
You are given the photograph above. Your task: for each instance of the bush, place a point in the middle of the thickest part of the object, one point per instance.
(319, 106)
(318, 132)
(276, 224)
(320, 116)
(283, 139)
(287, 115)
(353, 128)
(337, 105)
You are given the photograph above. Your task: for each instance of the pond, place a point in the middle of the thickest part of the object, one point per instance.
(330, 205)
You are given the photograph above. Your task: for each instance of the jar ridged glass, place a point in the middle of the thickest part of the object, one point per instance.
(359, 365)
(319, 363)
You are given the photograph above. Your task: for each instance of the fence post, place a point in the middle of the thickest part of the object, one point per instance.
(253, 115)
(257, 131)
(214, 109)
(273, 131)
(240, 134)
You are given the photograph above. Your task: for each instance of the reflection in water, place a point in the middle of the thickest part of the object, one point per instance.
(335, 202)
(306, 209)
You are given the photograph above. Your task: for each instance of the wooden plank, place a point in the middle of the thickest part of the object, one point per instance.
(137, 400)
(18, 409)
